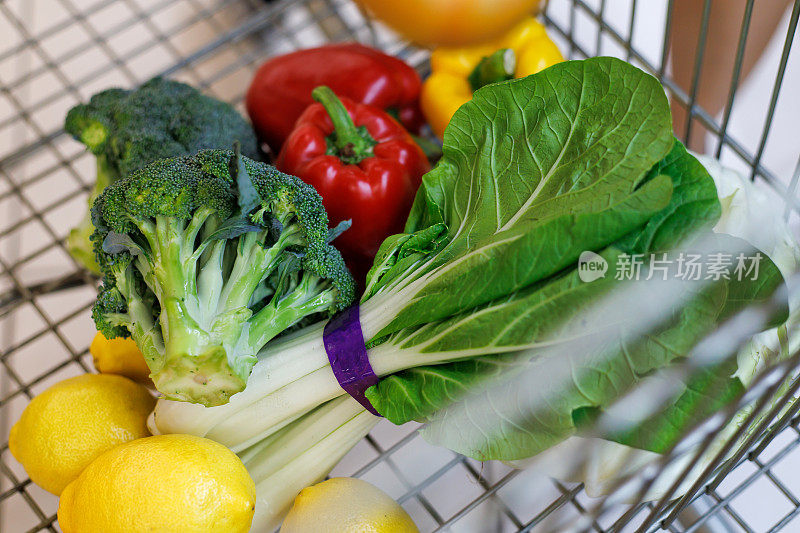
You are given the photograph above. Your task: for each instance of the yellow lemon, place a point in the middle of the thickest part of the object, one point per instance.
(346, 505)
(169, 483)
(67, 426)
(119, 356)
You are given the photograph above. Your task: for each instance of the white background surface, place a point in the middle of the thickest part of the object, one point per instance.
(759, 506)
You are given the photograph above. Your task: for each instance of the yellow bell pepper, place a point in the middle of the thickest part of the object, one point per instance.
(456, 72)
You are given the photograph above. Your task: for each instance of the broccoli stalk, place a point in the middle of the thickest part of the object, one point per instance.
(79, 242)
(126, 130)
(206, 259)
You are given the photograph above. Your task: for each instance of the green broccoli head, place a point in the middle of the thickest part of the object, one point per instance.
(160, 119)
(205, 259)
(127, 129)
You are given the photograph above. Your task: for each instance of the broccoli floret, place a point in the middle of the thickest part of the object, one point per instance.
(126, 130)
(207, 258)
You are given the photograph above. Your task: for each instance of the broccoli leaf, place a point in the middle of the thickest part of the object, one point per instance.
(340, 228)
(247, 199)
(116, 243)
(247, 195)
(232, 228)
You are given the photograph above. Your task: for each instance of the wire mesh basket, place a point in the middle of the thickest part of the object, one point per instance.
(56, 53)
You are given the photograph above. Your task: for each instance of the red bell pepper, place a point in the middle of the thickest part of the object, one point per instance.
(366, 167)
(281, 88)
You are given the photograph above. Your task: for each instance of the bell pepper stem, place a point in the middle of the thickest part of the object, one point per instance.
(494, 68)
(349, 143)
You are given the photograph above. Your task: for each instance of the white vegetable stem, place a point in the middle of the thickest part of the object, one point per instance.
(275, 391)
(292, 376)
(302, 454)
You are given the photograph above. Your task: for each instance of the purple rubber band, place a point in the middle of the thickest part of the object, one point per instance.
(344, 344)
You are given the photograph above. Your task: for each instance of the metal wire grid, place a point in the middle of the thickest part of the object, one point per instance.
(43, 173)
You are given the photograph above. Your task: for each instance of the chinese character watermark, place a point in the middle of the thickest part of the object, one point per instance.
(629, 267)
(690, 267)
(685, 266)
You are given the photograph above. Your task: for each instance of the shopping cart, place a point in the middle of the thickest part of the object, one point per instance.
(55, 53)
